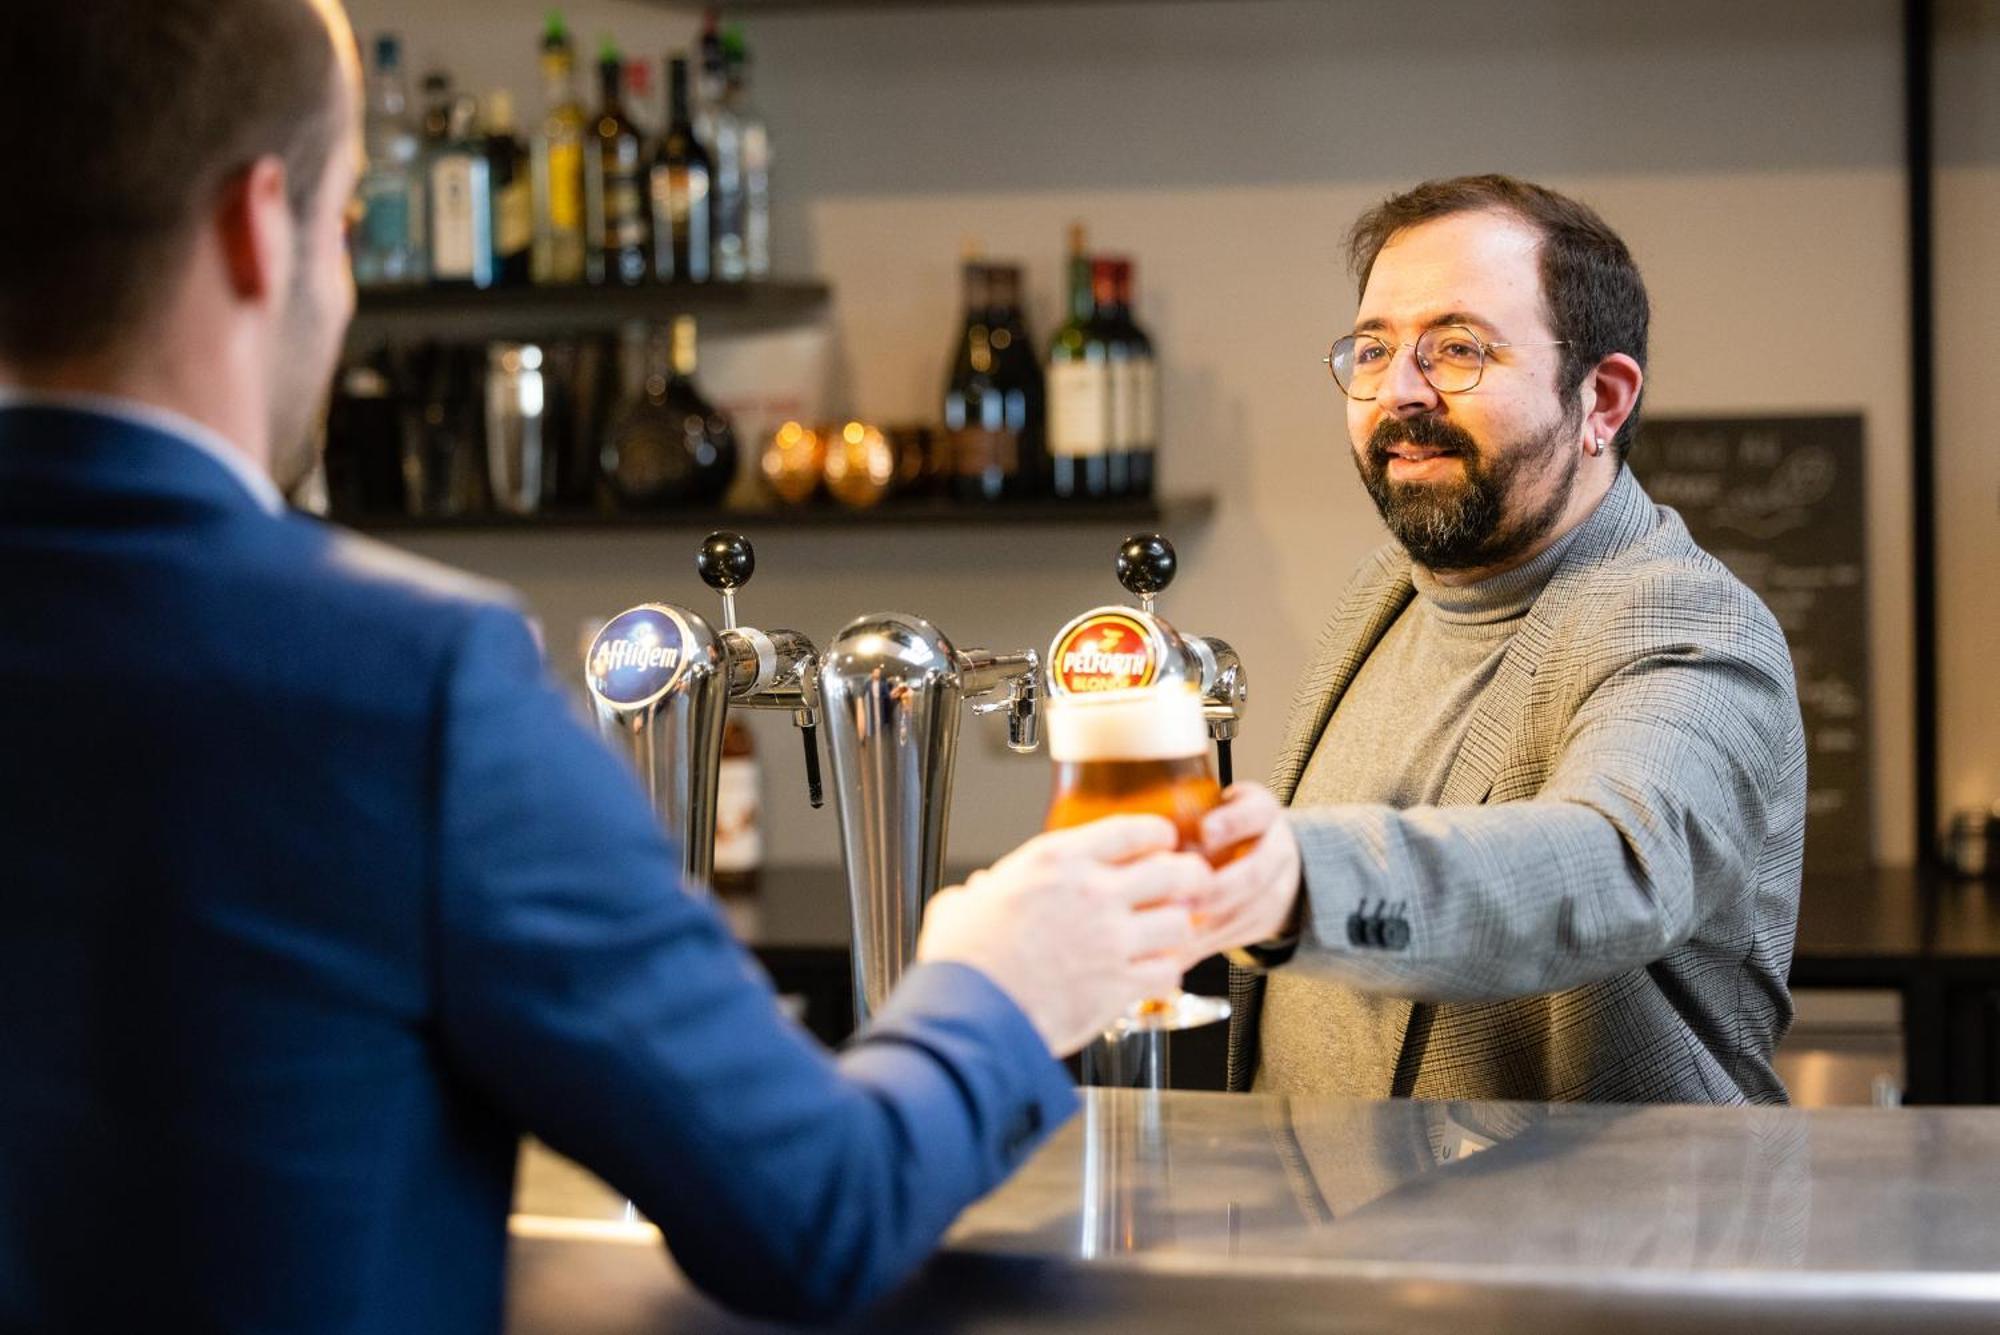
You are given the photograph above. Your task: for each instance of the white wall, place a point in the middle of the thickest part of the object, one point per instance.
(1750, 154)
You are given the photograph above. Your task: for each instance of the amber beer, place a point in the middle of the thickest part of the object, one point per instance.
(1134, 751)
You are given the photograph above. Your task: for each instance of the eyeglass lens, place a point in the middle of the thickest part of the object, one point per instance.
(1449, 357)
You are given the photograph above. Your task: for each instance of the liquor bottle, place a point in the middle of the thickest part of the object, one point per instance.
(679, 187)
(557, 256)
(1079, 390)
(756, 145)
(1142, 389)
(739, 835)
(614, 195)
(461, 197)
(716, 126)
(389, 252)
(670, 446)
(513, 191)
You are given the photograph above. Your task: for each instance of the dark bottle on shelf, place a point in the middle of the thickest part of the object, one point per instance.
(993, 401)
(513, 193)
(669, 446)
(1140, 390)
(437, 108)
(679, 188)
(614, 193)
(1109, 331)
(1079, 391)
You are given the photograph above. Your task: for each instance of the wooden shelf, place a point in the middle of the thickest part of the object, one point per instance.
(466, 314)
(1173, 512)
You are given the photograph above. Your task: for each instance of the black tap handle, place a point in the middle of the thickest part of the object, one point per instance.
(814, 792)
(725, 561)
(1146, 564)
(1225, 773)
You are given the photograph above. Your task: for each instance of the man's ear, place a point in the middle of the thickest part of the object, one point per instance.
(253, 221)
(1610, 394)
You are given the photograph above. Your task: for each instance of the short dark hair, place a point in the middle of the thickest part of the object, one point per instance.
(1596, 299)
(126, 118)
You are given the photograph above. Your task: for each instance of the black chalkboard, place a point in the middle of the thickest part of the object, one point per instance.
(1779, 500)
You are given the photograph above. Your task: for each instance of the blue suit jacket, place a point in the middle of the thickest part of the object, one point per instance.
(314, 897)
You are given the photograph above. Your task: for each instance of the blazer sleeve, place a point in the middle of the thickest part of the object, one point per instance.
(1665, 786)
(612, 1014)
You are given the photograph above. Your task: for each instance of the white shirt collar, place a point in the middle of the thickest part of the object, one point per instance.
(184, 429)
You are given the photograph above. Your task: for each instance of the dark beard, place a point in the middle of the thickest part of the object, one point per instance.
(1464, 525)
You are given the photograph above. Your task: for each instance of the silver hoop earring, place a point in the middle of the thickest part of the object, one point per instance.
(1597, 447)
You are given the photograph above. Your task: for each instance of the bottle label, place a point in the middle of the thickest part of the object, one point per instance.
(1145, 404)
(624, 211)
(739, 837)
(976, 450)
(1104, 651)
(457, 233)
(1079, 409)
(385, 227)
(513, 218)
(565, 187)
(1124, 405)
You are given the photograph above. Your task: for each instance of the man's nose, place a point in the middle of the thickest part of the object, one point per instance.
(1405, 392)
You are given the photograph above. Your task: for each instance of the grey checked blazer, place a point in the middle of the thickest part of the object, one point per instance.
(1602, 905)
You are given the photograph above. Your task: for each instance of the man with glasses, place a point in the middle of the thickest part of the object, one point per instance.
(1545, 779)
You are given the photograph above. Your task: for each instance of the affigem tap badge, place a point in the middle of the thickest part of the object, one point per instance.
(638, 656)
(1105, 651)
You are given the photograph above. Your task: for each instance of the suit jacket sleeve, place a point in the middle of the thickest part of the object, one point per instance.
(614, 1016)
(1654, 814)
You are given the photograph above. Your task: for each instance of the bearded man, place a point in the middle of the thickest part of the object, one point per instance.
(1546, 774)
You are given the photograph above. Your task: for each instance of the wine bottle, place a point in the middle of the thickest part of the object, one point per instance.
(679, 189)
(614, 197)
(558, 165)
(1079, 391)
(1142, 388)
(1108, 331)
(513, 194)
(670, 446)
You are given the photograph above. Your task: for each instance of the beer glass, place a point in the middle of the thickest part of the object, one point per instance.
(1137, 751)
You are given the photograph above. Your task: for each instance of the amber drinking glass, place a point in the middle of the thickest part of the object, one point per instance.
(1141, 751)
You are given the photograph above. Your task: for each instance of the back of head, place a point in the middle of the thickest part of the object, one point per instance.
(127, 118)
(1596, 298)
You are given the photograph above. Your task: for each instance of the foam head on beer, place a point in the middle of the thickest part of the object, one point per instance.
(1154, 723)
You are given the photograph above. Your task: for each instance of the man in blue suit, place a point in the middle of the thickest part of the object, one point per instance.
(314, 897)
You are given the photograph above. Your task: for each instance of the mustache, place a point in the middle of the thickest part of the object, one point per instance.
(1431, 433)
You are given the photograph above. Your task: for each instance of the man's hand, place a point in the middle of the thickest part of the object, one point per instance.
(1257, 890)
(1059, 925)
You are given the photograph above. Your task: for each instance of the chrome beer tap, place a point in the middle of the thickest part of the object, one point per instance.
(662, 680)
(1109, 648)
(892, 685)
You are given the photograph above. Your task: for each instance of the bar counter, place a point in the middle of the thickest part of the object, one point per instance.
(1233, 1214)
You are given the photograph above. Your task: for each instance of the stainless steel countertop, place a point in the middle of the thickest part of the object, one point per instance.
(1209, 1212)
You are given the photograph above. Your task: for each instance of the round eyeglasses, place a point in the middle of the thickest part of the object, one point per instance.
(1449, 356)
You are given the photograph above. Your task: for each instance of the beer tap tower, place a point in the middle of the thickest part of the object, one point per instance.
(1122, 648)
(892, 687)
(662, 680)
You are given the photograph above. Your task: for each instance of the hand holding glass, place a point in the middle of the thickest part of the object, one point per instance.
(1142, 751)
